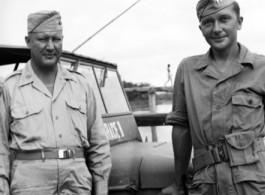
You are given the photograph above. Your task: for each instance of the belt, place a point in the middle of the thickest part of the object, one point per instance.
(49, 154)
(218, 154)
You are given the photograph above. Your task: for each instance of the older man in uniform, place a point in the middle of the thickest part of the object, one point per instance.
(50, 120)
(218, 108)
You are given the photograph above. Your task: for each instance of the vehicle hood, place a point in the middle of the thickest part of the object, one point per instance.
(141, 165)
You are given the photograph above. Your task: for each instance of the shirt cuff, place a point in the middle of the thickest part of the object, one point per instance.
(101, 188)
(177, 118)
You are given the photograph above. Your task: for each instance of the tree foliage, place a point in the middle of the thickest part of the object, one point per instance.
(130, 84)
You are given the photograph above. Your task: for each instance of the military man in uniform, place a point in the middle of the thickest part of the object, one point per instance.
(218, 108)
(50, 121)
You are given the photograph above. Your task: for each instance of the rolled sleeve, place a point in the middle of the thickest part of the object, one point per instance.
(98, 154)
(4, 147)
(178, 115)
(174, 118)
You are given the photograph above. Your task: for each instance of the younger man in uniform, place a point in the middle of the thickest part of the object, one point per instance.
(50, 120)
(218, 108)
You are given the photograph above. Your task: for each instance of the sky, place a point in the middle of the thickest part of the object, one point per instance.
(142, 42)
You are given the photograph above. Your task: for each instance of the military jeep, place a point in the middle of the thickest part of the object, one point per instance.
(137, 167)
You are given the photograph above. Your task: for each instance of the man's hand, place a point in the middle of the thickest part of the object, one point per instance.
(172, 190)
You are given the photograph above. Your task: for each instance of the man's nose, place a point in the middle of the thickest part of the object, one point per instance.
(217, 27)
(50, 45)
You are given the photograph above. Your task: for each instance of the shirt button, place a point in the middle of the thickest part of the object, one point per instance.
(56, 117)
(27, 112)
(218, 107)
(60, 135)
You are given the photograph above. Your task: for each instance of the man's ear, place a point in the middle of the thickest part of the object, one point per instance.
(27, 40)
(240, 23)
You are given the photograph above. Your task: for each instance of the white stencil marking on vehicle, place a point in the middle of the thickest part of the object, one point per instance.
(114, 130)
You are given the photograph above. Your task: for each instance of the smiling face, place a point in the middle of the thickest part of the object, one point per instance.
(220, 29)
(46, 48)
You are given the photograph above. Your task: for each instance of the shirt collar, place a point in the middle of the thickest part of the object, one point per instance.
(245, 57)
(64, 73)
(204, 61)
(29, 76)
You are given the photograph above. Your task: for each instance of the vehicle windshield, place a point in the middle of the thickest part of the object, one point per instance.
(6, 70)
(104, 81)
(87, 71)
(106, 86)
(111, 89)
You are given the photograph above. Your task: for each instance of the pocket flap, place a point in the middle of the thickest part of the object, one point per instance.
(240, 140)
(246, 100)
(24, 111)
(73, 103)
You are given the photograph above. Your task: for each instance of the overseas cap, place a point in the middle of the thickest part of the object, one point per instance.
(44, 21)
(208, 7)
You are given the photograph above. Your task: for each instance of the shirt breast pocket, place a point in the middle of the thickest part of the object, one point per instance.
(27, 125)
(77, 111)
(247, 112)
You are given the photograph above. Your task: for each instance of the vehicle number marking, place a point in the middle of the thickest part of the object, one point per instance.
(114, 130)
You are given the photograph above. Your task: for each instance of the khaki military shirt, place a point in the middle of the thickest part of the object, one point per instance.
(214, 104)
(33, 119)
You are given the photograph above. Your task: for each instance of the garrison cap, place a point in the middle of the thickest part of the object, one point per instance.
(208, 7)
(44, 21)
